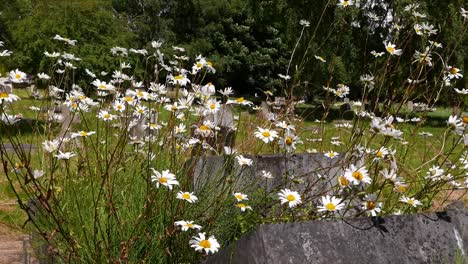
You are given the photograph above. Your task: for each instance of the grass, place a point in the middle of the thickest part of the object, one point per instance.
(245, 143)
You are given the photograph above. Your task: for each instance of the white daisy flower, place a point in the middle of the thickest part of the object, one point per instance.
(244, 161)
(187, 196)
(391, 48)
(240, 196)
(330, 204)
(84, 134)
(165, 178)
(244, 207)
(345, 3)
(331, 154)
(202, 243)
(291, 197)
(411, 201)
(186, 225)
(65, 155)
(357, 175)
(17, 76)
(266, 135)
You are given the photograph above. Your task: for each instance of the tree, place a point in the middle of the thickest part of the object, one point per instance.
(91, 22)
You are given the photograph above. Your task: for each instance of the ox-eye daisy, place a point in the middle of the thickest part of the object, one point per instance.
(266, 135)
(17, 76)
(82, 134)
(291, 197)
(201, 242)
(371, 206)
(244, 161)
(411, 201)
(244, 207)
(357, 175)
(8, 97)
(240, 196)
(345, 3)
(331, 154)
(391, 48)
(186, 225)
(330, 204)
(187, 196)
(165, 178)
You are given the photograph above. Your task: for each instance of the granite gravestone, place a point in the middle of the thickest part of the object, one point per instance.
(398, 239)
(312, 172)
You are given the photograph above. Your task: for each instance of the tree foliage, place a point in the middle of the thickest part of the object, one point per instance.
(250, 42)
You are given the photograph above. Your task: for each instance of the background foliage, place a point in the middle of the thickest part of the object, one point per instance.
(249, 41)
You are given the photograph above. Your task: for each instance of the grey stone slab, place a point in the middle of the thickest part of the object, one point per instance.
(310, 172)
(419, 238)
(68, 120)
(26, 147)
(410, 106)
(5, 85)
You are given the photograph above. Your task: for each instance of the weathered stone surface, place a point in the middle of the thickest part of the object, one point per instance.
(313, 172)
(5, 85)
(420, 238)
(23, 147)
(68, 120)
(226, 135)
(16, 250)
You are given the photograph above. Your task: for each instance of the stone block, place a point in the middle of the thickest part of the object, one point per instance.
(312, 172)
(400, 239)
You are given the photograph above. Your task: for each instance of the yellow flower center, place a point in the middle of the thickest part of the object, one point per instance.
(238, 196)
(391, 49)
(330, 207)
(205, 244)
(128, 99)
(266, 134)
(199, 65)
(186, 196)
(343, 181)
(179, 77)
(358, 175)
(162, 180)
(401, 188)
(119, 107)
(465, 119)
(204, 128)
(379, 154)
(18, 76)
(291, 198)
(83, 133)
(209, 63)
(106, 116)
(74, 105)
(102, 87)
(140, 93)
(189, 225)
(3, 95)
(453, 70)
(212, 106)
(240, 100)
(370, 205)
(288, 141)
(410, 201)
(241, 205)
